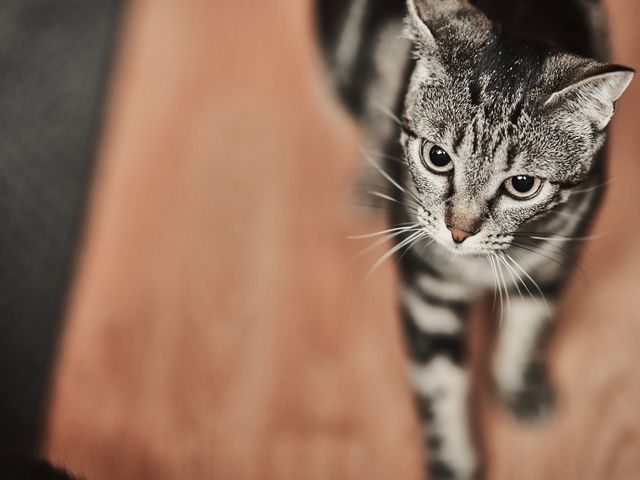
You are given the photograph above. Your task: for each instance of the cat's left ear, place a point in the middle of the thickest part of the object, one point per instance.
(595, 94)
(445, 22)
(417, 26)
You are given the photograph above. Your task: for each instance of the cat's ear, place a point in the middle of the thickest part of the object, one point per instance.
(595, 93)
(447, 22)
(418, 29)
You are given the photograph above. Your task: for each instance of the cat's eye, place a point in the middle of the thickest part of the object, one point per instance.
(435, 158)
(523, 186)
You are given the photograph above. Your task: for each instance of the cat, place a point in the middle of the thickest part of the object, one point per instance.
(489, 119)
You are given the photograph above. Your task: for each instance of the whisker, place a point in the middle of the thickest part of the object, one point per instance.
(385, 239)
(362, 195)
(386, 156)
(382, 109)
(375, 206)
(529, 248)
(511, 271)
(535, 284)
(595, 187)
(499, 285)
(384, 196)
(506, 292)
(412, 206)
(535, 236)
(558, 248)
(424, 247)
(393, 250)
(389, 178)
(406, 250)
(506, 257)
(570, 215)
(576, 265)
(399, 228)
(493, 270)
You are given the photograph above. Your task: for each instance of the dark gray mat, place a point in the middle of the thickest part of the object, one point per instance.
(54, 64)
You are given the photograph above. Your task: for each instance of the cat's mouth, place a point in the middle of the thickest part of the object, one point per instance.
(481, 247)
(454, 241)
(460, 243)
(470, 249)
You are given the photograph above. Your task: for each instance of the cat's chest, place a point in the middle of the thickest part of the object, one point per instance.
(475, 274)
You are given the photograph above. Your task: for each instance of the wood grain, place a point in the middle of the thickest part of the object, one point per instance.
(220, 326)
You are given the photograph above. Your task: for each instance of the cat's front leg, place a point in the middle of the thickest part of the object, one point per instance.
(520, 363)
(435, 331)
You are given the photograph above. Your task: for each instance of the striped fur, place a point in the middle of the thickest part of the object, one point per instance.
(453, 74)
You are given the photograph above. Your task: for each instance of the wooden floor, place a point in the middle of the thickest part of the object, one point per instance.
(220, 327)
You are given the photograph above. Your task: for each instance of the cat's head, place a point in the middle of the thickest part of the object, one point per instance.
(497, 130)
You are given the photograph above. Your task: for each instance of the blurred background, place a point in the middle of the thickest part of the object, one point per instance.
(180, 299)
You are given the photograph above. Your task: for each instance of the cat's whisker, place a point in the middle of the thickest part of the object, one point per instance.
(398, 228)
(494, 274)
(494, 264)
(557, 247)
(557, 243)
(562, 213)
(511, 272)
(388, 113)
(595, 187)
(360, 197)
(390, 179)
(409, 247)
(370, 205)
(509, 259)
(393, 250)
(385, 239)
(562, 238)
(506, 290)
(530, 248)
(535, 284)
(567, 268)
(389, 198)
(430, 242)
(386, 156)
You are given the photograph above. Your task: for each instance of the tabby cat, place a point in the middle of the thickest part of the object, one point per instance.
(489, 118)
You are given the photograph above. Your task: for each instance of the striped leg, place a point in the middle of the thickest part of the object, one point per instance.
(435, 340)
(520, 366)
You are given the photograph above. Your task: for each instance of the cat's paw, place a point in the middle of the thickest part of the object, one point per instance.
(532, 404)
(535, 400)
(439, 470)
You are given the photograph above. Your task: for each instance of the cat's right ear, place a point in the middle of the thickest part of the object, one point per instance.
(594, 94)
(418, 28)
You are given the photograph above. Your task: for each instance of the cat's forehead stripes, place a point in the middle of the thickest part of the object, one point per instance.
(485, 151)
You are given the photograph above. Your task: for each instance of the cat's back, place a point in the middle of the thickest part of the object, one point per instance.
(575, 26)
(366, 56)
(358, 37)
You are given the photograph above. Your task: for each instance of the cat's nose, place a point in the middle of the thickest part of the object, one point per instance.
(458, 235)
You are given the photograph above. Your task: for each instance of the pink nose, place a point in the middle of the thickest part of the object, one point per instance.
(459, 236)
